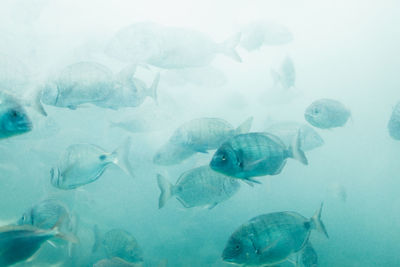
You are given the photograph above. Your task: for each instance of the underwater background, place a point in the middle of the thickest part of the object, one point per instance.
(344, 50)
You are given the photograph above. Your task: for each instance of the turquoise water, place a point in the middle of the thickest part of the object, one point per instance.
(342, 50)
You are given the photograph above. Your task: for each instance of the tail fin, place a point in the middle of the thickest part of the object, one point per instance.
(121, 155)
(228, 47)
(152, 90)
(166, 190)
(295, 150)
(245, 126)
(316, 222)
(97, 238)
(70, 237)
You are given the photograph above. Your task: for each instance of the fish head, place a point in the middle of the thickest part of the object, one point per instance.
(316, 114)
(26, 218)
(238, 250)
(170, 154)
(14, 121)
(225, 160)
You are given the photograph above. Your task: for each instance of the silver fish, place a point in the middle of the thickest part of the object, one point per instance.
(171, 154)
(82, 164)
(118, 243)
(46, 214)
(168, 47)
(286, 131)
(308, 256)
(271, 238)
(93, 83)
(205, 134)
(285, 77)
(19, 243)
(198, 187)
(14, 119)
(255, 154)
(327, 113)
(394, 123)
(259, 33)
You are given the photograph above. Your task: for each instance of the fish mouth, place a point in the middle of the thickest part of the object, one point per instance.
(24, 126)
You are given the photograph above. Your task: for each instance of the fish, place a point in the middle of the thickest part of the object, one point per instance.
(255, 154)
(286, 131)
(308, 256)
(93, 83)
(118, 243)
(14, 119)
(171, 154)
(327, 113)
(204, 134)
(20, 242)
(394, 123)
(285, 77)
(82, 164)
(115, 262)
(200, 186)
(168, 47)
(46, 214)
(271, 238)
(261, 33)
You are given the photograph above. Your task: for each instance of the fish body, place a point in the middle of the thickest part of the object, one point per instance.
(286, 131)
(46, 214)
(327, 113)
(254, 154)
(308, 256)
(171, 154)
(204, 134)
(286, 75)
(93, 83)
(271, 238)
(77, 84)
(14, 119)
(198, 187)
(19, 243)
(118, 243)
(168, 47)
(82, 164)
(259, 33)
(394, 123)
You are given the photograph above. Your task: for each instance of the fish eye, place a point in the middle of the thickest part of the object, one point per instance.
(237, 247)
(14, 113)
(316, 111)
(223, 157)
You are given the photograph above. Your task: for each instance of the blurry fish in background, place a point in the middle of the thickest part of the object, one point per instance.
(198, 187)
(255, 154)
(14, 119)
(338, 191)
(171, 154)
(168, 47)
(285, 76)
(204, 76)
(21, 242)
(308, 256)
(260, 33)
(327, 113)
(287, 131)
(82, 164)
(394, 123)
(271, 238)
(204, 134)
(93, 83)
(46, 214)
(118, 243)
